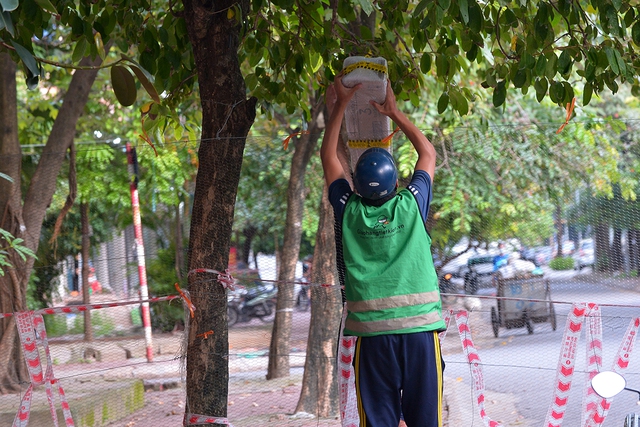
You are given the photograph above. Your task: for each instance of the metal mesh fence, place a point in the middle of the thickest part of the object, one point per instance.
(521, 345)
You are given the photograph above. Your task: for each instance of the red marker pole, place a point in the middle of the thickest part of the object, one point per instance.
(132, 166)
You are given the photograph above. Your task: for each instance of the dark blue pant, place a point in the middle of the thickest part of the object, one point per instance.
(399, 375)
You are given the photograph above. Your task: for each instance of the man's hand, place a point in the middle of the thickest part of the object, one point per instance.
(389, 108)
(337, 97)
(424, 148)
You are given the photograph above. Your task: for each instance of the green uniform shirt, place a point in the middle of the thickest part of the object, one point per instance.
(391, 285)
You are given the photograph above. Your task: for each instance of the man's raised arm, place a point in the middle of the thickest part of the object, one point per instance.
(337, 99)
(426, 151)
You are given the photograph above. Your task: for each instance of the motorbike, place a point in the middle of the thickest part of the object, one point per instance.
(608, 384)
(258, 302)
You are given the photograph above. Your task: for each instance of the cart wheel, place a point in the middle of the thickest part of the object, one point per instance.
(527, 323)
(552, 316)
(494, 322)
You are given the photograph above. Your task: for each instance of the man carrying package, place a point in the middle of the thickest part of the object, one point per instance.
(390, 283)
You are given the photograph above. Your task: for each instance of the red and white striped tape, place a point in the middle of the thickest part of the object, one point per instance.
(82, 308)
(346, 379)
(566, 365)
(598, 413)
(32, 333)
(192, 419)
(593, 335)
(473, 358)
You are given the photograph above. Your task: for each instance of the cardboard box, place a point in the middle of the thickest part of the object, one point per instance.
(365, 126)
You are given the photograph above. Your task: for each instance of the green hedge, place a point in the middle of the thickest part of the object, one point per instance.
(561, 263)
(55, 324)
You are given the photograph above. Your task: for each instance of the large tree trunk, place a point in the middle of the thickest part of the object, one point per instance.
(319, 394)
(13, 370)
(24, 220)
(280, 337)
(227, 116)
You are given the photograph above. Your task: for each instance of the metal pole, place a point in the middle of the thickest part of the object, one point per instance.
(132, 167)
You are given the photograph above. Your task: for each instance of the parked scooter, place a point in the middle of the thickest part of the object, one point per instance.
(608, 384)
(258, 302)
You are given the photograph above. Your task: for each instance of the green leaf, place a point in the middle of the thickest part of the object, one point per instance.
(315, 60)
(459, 102)
(635, 33)
(366, 5)
(520, 78)
(32, 80)
(143, 69)
(464, 10)
(97, 39)
(475, 17)
(613, 61)
(124, 85)
(9, 5)
(556, 92)
(621, 64)
(28, 59)
(425, 63)
(541, 65)
(7, 177)
(421, 7)
(587, 93)
(499, 93)
(443, 102)
(80, 50)
(46, 5)
(7, 23)
(148, 86)
(564, 62)
(541, 85)
(414, 98)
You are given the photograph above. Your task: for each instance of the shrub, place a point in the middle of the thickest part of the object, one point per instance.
(565, 263)
(55, 324)
(102, 324)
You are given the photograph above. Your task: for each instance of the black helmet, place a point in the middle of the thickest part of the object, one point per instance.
(375, 175)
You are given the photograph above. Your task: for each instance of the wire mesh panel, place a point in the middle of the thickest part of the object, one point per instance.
(521, 354)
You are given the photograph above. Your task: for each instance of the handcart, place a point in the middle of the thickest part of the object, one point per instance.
(514, 311)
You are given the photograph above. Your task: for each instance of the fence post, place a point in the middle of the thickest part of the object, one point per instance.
(132, 167)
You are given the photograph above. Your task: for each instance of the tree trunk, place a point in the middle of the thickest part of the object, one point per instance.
(559, 230)
(227, 116)
(86, 246)
(319, 394)
(305, 147)
(13, 370)
(617, 262)
(24, 220)
(634, 250)
(249, 233)
(602, 253)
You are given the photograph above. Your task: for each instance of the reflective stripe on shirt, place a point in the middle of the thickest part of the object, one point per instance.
(392, 324)
(393, 302)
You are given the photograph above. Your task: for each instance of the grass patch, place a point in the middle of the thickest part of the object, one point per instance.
(565, 263)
